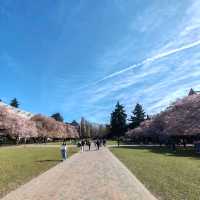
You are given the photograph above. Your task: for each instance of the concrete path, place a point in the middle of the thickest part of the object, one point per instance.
(94, 175)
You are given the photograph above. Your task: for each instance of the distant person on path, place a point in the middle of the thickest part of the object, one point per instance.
(63, 150)
(104, 142)
(89, 144)
(82, 145)
(98, 144)
(95, 143)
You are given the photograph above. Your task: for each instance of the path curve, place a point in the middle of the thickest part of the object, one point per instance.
(94, 175)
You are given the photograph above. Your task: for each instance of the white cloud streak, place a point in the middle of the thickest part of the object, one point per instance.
(155, 81)
(152, 59)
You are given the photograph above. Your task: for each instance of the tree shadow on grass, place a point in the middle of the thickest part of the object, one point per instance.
(44, 161)
(180, 151)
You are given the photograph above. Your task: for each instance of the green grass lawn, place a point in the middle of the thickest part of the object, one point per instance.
(111, 142)
(56, 143)
(168, 175)
(20, 164)
(108, 142)
(72, 142)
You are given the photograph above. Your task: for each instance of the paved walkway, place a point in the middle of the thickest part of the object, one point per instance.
(94, 175)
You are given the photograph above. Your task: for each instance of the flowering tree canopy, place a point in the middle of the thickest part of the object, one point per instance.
(15, 125)
(20, 126)
(49, 127)
(182, 118)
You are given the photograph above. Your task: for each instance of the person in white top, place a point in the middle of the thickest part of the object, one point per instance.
(63, 150)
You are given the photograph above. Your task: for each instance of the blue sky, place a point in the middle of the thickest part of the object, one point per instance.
(79, 57)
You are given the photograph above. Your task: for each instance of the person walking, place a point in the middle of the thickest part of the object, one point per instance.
(82, 145)
(89, 144)
(104, 142)
(63, 150)
(98, 144)
(95, 143)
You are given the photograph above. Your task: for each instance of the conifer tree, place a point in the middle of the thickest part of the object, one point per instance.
(138, 116)
(118, 121)
(58, 117)
(14, 103)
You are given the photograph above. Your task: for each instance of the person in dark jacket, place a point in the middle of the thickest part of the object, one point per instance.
(98, 144)
(89, 144)
(104, 142)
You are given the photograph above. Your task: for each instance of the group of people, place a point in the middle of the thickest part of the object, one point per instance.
(83, 143)
(98, 143)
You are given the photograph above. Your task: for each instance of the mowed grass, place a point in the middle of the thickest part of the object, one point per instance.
(168, 175)
(111, 142)
(60, 142)
(108, 142)
(20, 164)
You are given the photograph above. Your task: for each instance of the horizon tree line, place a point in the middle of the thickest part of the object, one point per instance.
(92, 130)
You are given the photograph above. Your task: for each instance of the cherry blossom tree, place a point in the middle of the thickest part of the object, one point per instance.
(18, 127)
(180, 120)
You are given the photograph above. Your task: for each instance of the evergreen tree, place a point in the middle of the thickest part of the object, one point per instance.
(57, 117)
(14, 103)
(192, 92)
(74, 123)
(118, 121)
(137, 117)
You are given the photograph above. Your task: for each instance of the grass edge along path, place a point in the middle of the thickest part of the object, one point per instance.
(20, 164)
(166, 174)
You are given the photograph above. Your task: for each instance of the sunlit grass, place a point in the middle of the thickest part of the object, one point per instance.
(171, 176)
(111, 142)
(20, 164)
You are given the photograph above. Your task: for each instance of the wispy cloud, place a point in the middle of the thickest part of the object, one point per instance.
(168, 67)
(160, 78)
(151, 59)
